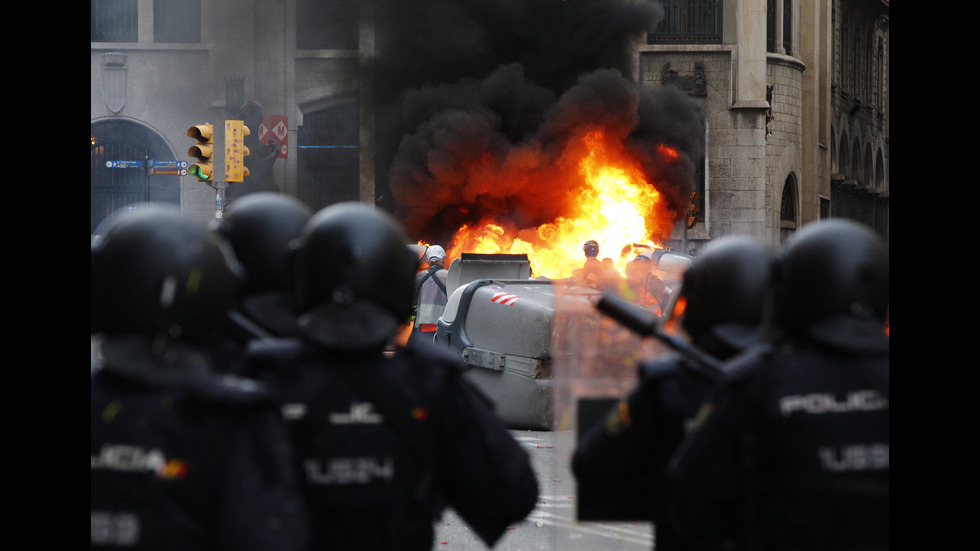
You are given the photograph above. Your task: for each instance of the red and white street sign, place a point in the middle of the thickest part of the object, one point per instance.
(275, 129)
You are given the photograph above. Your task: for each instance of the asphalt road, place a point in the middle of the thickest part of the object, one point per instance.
(552, 525)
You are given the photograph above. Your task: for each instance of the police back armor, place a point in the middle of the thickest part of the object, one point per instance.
(383, 445)
(189, 461)
(797, 445)
(620, 460)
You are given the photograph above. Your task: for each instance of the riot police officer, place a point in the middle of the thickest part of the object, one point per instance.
(619, 463)
(792, 452)
(259, 227)
(385, 442)
(181, 458)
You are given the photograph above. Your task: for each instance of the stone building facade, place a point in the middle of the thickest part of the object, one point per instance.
(794, 94)
(796, 116)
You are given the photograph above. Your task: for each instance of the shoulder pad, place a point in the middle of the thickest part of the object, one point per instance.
(230, 389)
(659, 367)
(747, 362)
(284, 348)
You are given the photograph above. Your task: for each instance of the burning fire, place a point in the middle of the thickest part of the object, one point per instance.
(613, 204)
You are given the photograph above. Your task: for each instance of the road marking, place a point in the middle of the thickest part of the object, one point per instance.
(610, 531)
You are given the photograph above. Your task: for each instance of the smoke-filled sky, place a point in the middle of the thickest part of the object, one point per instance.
(464, 86)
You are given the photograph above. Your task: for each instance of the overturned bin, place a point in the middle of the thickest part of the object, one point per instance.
(504, 330)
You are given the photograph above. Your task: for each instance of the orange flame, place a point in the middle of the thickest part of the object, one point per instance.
(614, 203)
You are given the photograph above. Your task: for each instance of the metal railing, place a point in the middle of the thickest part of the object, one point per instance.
(689, 22)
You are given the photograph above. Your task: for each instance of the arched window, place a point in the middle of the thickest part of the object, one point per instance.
(787, 208)
(843, 157)
(880, 171)
(868, 169)
(787, 204)
(856, 168)
(834, 157)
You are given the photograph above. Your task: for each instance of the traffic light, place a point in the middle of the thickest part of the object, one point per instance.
(203, 151)
(692, 211)
(235, 151)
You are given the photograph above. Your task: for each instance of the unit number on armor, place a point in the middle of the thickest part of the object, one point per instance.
(115, 528)
(855, 457)
(349, 470)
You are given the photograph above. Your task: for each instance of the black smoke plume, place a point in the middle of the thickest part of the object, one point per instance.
(467, 88)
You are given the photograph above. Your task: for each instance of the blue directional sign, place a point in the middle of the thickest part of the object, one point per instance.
(168, 164)
(124, 164)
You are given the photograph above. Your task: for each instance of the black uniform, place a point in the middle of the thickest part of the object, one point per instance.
(183, 460)
(383, 444)
(793, 452)
(260, 228)
(619, 464)
(723, 293)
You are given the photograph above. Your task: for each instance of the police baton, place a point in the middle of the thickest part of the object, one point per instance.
(640, 321)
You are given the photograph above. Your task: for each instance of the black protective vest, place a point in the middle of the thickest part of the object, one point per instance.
(193, 463)
(384, 444)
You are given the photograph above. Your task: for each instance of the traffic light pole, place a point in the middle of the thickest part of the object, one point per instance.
(219, 198)
(146, 175)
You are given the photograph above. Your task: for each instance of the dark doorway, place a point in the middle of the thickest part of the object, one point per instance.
(329, 157)
(133, 146)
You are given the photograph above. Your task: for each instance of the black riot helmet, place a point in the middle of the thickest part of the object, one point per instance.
(158, 271)
(354, 278)
(724, 291)
(834, 267)
(259, 227)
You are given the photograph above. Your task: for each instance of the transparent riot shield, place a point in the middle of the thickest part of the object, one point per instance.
(595, 362)
(594, 358)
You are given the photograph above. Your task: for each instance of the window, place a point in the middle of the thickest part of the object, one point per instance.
(771, 26)
(174, 21)
(787, 204)
(787, 209)
(329, 156)
(777, 23)
(699, 187)
(689, 22)
(114, 21)
(880, 76)
(327, 24)
(788, 26)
